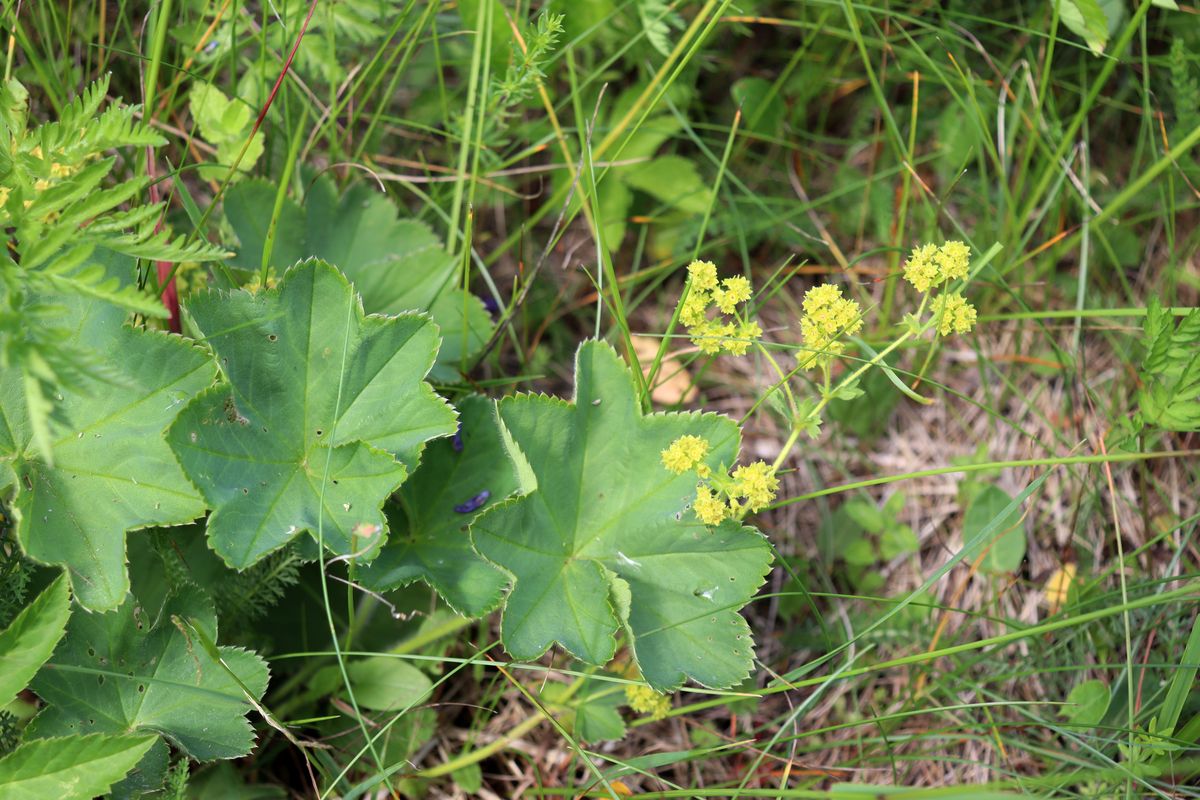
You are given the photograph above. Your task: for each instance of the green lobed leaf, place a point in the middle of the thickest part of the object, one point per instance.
(429, 539)
(131, 670)
(30, 639)
(70, 768)
(607, 540)
(324, 412)
(112, 471)
(395, 264)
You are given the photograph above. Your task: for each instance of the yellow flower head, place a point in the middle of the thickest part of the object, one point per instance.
(953, 314)
(684, 453)
(710, 335)
(742, 338)
(921, 269)
(694, 308)
(703, 275)
(735, 290)
(646, 701)
(828, 315)
(756, 483)
(710, 509)
(953, 260)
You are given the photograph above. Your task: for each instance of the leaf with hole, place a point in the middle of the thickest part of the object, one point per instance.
(112, 469)
(136, 670)
(607, 540)
(324, 412)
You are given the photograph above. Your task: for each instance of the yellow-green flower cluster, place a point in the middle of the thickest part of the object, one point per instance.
(721, 496)
(827, 316)
(953, 313)
(647, 702)
(705, 291)
(930, 266)
(756, 484)
(710, 508)
(685, 453)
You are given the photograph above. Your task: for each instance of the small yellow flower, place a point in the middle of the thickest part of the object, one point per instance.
(828, 315)
(684, 453)
(692, 312)
(703, 275)
(710, 509)
(921, 269)
(756, 483)
(647, 702)
(735, 290)
(742, 338)
(953, 314)
(710, 335)
(953, 260)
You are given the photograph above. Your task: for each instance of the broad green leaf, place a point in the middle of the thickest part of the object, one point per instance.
(1087, 20)
(30, 639)
(1087, 703)
(673, 181)
(136, 670)
(380, 683)
(324, 411)
(395, 264)
(762, 111)
(112, 470)
(248, 206)
(458, 479)
(70, 768)
(607, 540)
(1008, 548)
(613, 202)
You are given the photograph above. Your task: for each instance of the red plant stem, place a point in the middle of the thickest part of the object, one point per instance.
(170, 293)
(283, 73)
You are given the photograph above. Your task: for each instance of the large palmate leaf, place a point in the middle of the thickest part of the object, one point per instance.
(112, 470)
(458, 479)
(324, 412)
(30, 639)
(395, 264)
(70, 768)
(608, 540)
(136, 671)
